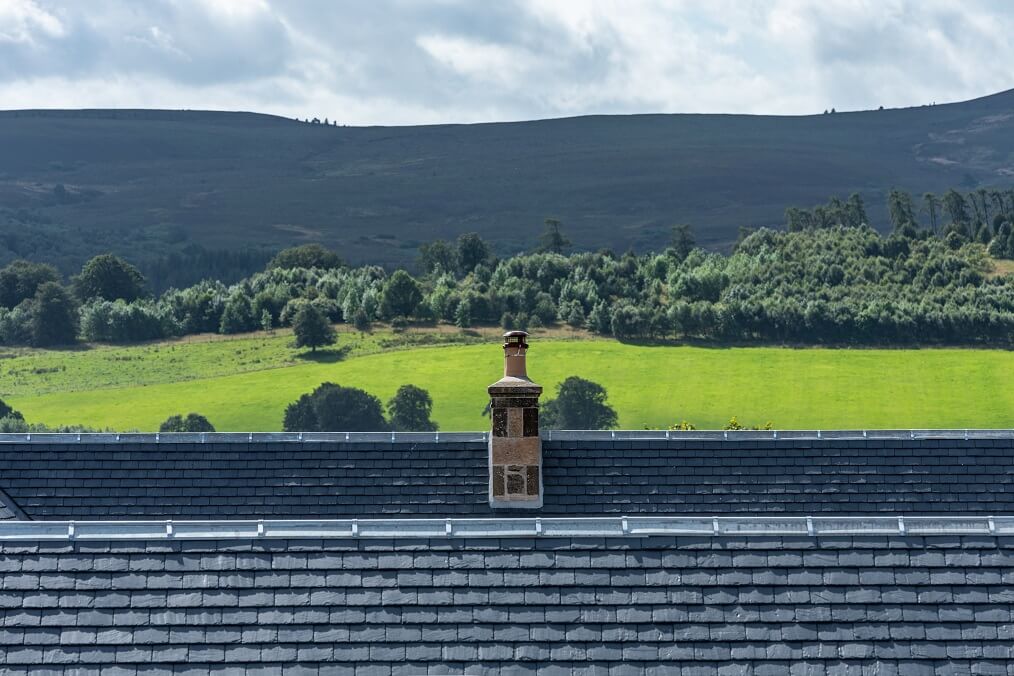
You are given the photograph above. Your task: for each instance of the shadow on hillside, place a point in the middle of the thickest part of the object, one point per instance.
(326, 356)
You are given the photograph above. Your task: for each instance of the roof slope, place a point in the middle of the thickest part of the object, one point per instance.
(884, 605)
(266, 478)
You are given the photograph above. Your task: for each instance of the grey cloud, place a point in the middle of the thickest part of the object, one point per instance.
(179, 41)
(398, 61)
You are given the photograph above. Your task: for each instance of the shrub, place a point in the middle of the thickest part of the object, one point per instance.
(734, 424)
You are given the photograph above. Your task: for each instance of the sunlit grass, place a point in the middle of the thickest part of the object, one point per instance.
(245, 384)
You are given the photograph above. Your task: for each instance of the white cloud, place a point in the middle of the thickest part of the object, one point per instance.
(481, 62)
(22, 20)
(403, 61)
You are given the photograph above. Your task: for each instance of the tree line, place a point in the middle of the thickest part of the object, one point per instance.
(828, 278)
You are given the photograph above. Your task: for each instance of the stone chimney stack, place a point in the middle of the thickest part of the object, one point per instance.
(515, 449)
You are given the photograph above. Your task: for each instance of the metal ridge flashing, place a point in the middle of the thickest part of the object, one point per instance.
(482, 437)
(595, 527)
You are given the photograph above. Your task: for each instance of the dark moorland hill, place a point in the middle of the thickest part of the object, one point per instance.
(144, 183)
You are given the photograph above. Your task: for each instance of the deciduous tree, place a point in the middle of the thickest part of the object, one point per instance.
(306, 256)
(312, 328)
(409, 410)
(401, 295)
(20, 279)
(333, 408)
(109, 277)
(472, 251)
(53, 316)
(579, 405)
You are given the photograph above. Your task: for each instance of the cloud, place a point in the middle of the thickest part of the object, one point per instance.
(22, 21)
(404, 62)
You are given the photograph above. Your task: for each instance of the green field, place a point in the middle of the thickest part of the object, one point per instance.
(245, 383)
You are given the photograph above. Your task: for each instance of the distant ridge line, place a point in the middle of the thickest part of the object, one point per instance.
(190, 114)
(139, 114)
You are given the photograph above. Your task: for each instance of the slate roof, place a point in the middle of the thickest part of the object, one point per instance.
(8, 508)
(665, 605)
(236, 476)
(457, 596)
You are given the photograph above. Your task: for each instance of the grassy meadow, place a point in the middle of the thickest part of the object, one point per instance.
(244, 383)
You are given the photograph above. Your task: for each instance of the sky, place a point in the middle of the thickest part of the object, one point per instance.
(438, 61)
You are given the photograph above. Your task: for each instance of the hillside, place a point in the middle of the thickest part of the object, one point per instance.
(73, 183)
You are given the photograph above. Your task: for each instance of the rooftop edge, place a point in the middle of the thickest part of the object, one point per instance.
(594, 527)
(483, 437)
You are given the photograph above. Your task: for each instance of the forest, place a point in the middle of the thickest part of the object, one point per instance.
(827, 278)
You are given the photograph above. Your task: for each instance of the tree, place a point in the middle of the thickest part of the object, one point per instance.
(579, 405)
(120, 322)
(575, 315)
(797, 219)
(627, 320)
(438, 256)
(410, 410)
(600, 318)
(361, 320)
(333, 408)
(6, 411)
(900, 209)
(682, 241)
(463, 314)
(300, 415)
(193, 422)
(53, 316)
(956, 207)
(931, 203)
(109, 277)
(855, 211)
(401, 295)
(20, 279)
(472, 251)
(552, 239)
(312, 328)
(237, 317)
(306, 256)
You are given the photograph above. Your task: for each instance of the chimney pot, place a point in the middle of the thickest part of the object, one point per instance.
(515, 345)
